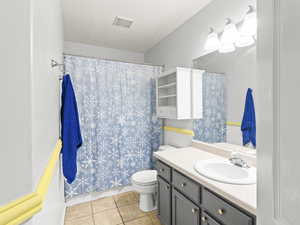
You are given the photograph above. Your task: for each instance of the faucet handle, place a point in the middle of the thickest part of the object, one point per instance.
(238, 160)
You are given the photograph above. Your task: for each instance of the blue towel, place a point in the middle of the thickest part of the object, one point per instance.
(70, 130)
(249, 124)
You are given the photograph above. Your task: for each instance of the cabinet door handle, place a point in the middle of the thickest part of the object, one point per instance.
(167, 188)
(183, 185)
(194, 210)
(221, 211)
(203, 218)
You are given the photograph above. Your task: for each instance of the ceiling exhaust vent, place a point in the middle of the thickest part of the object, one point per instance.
(122, 22)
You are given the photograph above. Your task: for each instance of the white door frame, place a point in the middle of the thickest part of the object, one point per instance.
(278, 51)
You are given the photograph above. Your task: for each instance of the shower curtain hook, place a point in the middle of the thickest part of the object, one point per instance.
(60, 65)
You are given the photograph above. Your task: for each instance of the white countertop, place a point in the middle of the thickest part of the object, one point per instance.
(183, 160)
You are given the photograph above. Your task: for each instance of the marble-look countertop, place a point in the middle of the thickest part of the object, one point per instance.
(183, 160)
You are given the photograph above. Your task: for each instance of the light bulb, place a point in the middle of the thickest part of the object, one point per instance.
(226, 48)
(229, 37)
(212, 42)
(249, 25)
(244, 41)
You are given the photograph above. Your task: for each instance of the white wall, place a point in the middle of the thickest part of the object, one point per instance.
(186, 43)
(278, 195)
(15, 98)
(47, 44)
(74, 48)
(31, 35)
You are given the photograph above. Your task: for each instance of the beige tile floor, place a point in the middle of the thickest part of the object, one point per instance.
(120, 209)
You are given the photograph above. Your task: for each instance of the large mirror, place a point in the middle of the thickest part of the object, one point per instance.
(225, 85)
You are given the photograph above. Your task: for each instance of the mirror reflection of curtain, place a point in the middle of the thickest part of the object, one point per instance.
(116, 103)
(212, 128)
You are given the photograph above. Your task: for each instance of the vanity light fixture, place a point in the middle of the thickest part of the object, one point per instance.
(249, 25)
(212, 42)
(229, 37)
(244, 41)
(248, 29)
(227, 48)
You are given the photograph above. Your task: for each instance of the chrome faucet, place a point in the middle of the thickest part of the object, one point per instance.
(238, 161)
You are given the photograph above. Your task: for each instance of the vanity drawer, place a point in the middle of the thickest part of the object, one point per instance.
(185, 185)
(224, 212)
(163, 170)
(207, 220)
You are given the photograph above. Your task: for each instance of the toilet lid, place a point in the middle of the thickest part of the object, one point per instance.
(145, 177)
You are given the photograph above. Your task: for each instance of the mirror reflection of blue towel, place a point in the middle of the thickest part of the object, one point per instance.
(249, 124)
(70, 130)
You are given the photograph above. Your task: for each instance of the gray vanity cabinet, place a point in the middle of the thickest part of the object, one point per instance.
(184, 212)
(183, 201)
(164, 202)
(186, 186)
(207, 220)
(223, 211)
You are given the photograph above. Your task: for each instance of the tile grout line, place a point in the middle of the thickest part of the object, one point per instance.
(118, 208)
(79, 217)
(94, 223)
(123, 222)
(132, 218)
(136, 218)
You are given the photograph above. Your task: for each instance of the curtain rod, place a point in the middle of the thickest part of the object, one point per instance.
(113, 60)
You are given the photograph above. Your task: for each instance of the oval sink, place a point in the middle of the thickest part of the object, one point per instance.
(225, 172)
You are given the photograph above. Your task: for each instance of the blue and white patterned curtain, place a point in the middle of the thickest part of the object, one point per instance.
(116, 103)
(212, 128)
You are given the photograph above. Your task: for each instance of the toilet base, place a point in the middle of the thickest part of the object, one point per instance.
(147, 202)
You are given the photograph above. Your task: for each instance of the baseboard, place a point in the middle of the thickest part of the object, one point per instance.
(96, 195)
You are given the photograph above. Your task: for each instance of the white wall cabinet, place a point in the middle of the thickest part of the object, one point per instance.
(179, 94)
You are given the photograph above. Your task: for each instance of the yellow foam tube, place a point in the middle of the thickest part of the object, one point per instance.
(27, 215)
(236, 124)
(16, 202)
(22, 209)
(17, 211)
(179, 130)
(43, 186)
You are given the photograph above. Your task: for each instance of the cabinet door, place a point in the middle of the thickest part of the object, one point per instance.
(164, 202)
(183, 88)
(184, 212)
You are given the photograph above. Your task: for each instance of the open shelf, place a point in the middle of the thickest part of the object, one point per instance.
(166, 80)
(167, 96)
(168, 85)
(167, 102)
(174, 93)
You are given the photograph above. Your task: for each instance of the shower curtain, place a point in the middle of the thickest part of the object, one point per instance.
(116, 104)
(212, 127)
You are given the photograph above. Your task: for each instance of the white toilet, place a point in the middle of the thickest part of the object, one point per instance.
(145, 183)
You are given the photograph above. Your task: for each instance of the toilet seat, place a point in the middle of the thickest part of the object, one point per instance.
(145, 177)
